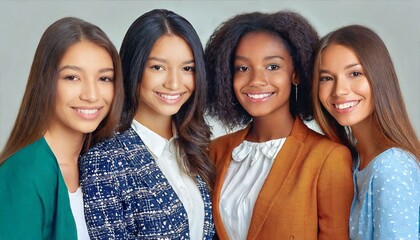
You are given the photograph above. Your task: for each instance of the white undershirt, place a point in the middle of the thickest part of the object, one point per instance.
(76, 204)
(250, 165)
(164, 153)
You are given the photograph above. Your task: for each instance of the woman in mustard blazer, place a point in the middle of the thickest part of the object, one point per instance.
(276, 178)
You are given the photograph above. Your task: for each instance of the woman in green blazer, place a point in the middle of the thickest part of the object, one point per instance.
(73, 87)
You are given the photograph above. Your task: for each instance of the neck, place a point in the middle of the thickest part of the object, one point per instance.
(268, 128)
(66, 147)
(161, 125)
(367, 145)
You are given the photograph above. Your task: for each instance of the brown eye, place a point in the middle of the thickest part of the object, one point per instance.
(242, 69)
(157, 67)
(273, 67)
(189, 69)
(71, 77)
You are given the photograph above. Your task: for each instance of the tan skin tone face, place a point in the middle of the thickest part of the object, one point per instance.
(85, 90)
(167, 83)
(345, 93)
(262, 81)
(344, 89)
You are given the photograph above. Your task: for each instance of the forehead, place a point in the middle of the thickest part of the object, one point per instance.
(337, 55)
(262, 38)
(170, 44)
(262, 43)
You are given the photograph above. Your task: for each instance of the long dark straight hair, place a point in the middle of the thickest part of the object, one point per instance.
(193, 132)
(36, 111)
(391, 124)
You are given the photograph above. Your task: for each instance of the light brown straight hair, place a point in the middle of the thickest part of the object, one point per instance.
(38, 104)
(390, 120)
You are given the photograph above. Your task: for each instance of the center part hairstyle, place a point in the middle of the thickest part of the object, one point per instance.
(390, 121)
(38, 105)
(193, 132)
(299, 38)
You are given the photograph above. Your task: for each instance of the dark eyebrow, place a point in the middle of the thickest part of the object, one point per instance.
(351, 65)
(106, 70)
(346, 67)
(265, 58)
(76, 68)
(69, 67)
(165, 61)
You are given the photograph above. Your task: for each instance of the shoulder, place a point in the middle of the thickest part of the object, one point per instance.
(104, 156)
(319, 142)
(30, 160)
(395, 162)
(32, 171)
(114, 146)
(395, 175)
(228, 141)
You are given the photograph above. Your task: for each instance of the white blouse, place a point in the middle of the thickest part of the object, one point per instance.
(76, 204)
(165, 155)
(250, 165)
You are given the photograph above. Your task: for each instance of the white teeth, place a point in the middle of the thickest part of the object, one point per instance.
(87, 111)
(170, 97)
(259, 96)
(346, 105)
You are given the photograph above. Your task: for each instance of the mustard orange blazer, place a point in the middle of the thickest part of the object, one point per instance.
(307, 194)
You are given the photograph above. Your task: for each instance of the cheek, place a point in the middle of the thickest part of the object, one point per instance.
(363, 88)
(108, 93)
(237, 85)
(323, 94)
(191, 83)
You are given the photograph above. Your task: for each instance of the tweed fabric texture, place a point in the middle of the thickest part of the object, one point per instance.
(127, 196)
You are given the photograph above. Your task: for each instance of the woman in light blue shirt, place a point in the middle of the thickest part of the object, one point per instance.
(358, 102)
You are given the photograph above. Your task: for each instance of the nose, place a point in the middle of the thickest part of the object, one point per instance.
(341, 87)
(258, 78)
(90, 91)
(172, 81)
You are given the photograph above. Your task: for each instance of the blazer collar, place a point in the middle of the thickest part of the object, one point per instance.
(282, 167)
(154, 178)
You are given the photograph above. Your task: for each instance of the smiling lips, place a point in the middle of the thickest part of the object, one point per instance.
(342, 106)
(170, 98)
(258, 97)
(88, 114)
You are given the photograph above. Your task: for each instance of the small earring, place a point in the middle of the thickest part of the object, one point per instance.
(296, 91)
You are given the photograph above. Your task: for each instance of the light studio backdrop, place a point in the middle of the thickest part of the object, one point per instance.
(23, 22)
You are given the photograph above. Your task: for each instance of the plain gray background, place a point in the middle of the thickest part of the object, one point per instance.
(23, 22)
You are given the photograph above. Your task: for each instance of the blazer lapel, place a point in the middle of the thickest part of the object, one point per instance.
(282, 167)
(221, 168)
(208, 228)
(150, 173)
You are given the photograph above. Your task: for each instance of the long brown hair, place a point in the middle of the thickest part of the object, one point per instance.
(193, 132)
(391, 124)
(36, 110)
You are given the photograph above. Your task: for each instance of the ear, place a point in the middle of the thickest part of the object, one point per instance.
(295, 78)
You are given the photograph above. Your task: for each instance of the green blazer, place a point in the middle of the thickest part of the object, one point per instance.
(34, 200)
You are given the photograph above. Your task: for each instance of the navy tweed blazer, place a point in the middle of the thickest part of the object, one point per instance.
(126, 195)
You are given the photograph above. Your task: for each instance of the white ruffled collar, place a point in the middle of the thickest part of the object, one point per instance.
(269, 149)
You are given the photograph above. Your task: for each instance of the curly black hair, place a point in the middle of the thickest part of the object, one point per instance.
(299, 37)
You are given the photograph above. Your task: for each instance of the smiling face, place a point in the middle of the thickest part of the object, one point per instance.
(263, 75)
(344, 89)
(85, 88)
(168, 79)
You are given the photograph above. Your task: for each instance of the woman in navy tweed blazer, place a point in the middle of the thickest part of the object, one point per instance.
(153, 178)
